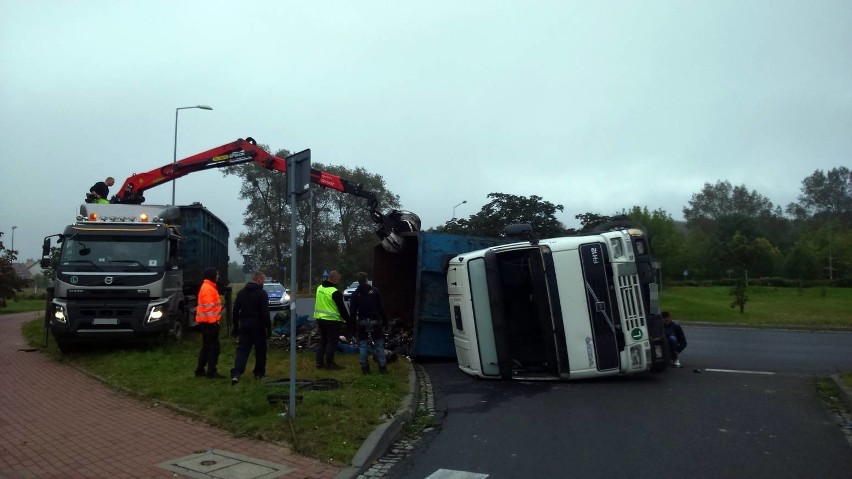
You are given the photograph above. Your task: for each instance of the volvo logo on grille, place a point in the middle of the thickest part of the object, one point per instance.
(108, 280)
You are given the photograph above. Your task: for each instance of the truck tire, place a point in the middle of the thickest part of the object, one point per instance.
(65, 346)
(179, 327)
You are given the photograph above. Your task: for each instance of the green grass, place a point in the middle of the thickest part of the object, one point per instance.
(330, 425)
(22, 305)
(767, 306)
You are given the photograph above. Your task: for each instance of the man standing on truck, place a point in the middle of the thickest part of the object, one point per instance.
(331, 314)
(207, 315)
(676, 338)
(251, 318)
(368, 313)
(99, 192)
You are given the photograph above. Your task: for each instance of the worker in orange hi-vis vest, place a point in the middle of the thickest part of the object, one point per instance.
(207, 315)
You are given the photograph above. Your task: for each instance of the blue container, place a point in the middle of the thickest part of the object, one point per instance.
(414, 287)
(204, 245)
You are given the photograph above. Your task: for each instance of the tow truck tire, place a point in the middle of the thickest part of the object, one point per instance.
(64, 345)
(179, 327)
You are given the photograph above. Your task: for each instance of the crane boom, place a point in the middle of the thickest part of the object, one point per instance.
(391, 227)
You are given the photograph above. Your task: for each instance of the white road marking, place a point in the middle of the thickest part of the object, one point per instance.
(450, 474)
(738, 371)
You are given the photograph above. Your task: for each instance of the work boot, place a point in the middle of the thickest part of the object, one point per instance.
(365, 369)
(334, 366)
(383, 369)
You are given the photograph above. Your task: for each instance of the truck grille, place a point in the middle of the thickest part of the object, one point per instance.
(631, 301)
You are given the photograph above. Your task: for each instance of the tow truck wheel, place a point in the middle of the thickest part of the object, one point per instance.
(178, 327)
(64, 346)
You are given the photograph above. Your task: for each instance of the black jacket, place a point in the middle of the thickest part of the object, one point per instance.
(367, 305)
(251, 309)
(101, 189)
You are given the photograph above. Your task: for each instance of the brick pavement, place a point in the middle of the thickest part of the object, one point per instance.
(56, 422)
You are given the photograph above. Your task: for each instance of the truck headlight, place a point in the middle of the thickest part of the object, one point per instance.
(156, 313)
(59, 314)
(636, 356)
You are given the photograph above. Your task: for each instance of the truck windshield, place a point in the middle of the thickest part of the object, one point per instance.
(113, 254)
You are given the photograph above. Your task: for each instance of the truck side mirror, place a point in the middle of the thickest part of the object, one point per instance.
(45, 248)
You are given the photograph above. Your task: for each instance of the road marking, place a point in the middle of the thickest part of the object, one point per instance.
(450, 474)
(738, 371)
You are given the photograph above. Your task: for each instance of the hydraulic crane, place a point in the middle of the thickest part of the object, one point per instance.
(391, 227)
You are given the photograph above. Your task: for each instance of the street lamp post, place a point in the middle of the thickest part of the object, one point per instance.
(13, 237)
(174, 159)
(456, 206)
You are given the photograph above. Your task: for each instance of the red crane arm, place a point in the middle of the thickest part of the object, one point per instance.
(234, 153)
(389, 227)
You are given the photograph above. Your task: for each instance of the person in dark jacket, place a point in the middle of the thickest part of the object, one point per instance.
(677, 340)
(331, 315)
(99, 192)
(368, 318)
(252, 325)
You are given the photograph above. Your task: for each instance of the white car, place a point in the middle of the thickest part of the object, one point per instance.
(347, 293)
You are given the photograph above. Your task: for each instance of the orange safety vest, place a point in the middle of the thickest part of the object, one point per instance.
(209, 308)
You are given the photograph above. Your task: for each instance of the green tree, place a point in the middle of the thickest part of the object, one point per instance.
(665, 238)
(339, 224)
(802, 261)
(825, 204)
(720, 211)
(267, 215)
(10, 283)
(589, 221)
(827, 194)
(504, 210)
(745, 255)
(334, 229)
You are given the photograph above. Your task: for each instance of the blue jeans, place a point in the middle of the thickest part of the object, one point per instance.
(675, 346)
(378, 348)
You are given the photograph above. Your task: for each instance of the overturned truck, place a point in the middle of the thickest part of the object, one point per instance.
(560, 308)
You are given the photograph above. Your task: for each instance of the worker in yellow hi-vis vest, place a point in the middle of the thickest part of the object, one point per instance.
(331, 315)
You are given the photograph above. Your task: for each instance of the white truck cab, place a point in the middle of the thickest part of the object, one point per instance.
(561, 308)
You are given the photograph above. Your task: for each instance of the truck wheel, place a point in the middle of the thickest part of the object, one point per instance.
(178, 327)
(64, 345)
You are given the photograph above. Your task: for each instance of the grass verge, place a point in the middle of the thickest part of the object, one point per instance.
(767, 306)
(329, 425)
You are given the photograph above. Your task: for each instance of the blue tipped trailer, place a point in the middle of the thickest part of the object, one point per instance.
(414, 285)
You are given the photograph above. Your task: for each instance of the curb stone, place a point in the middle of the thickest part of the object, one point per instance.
(381, 439)
(845, 390)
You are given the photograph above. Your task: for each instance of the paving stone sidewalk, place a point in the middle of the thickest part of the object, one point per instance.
(56, 422)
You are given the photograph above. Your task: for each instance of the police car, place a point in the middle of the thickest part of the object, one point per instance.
(279, 296)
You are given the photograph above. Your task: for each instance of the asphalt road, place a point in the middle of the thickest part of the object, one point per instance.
(744, 406)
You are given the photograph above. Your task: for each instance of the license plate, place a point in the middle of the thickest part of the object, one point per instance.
(105, 321)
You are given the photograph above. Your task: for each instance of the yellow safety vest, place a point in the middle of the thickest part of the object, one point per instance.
(325, 307)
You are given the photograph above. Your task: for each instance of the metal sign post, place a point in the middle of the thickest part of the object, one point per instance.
(298, 182)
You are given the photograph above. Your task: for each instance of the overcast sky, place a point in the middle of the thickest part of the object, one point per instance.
(596, 106)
